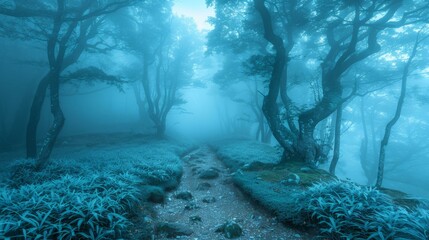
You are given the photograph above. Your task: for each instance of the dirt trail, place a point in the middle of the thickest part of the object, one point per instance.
(229, 204)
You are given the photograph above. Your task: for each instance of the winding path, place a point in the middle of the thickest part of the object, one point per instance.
(229, 204)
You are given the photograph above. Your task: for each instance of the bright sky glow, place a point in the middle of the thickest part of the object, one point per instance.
(195, 9)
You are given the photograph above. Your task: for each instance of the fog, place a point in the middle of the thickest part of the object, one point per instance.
(206, 83)
(214, 119)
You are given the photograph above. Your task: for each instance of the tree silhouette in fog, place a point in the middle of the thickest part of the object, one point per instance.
(167, 47)
(68, 29)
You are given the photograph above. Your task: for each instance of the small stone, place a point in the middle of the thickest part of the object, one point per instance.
(291, 179)
(191, 206)
(230, 229)
(297, 235)
(186, 195)
(195, 219)
(172, 230)
(209, 199)
(209, 174)
(204, 186)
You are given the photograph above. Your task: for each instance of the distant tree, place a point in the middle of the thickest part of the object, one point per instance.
(166, 47)
(67, 28)
(392, 122)
(244, 66)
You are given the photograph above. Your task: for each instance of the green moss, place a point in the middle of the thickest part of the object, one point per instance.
(280, 172)
(340, 209)
(273, 175)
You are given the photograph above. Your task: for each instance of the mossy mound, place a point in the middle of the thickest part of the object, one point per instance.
(307, 176)
(260, 174)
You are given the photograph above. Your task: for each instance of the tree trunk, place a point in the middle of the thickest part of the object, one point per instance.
(35, 111)
(160, 129)
(269, 105)
(391, 123)
(258, 136)
(364, 147)
(57, 124)
(337, 143)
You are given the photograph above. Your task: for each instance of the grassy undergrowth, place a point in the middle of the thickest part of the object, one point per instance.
(87, 192)
(344, 210)
(337, 209)
(237, 154)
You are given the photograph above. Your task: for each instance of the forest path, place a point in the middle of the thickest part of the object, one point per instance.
(215, 201)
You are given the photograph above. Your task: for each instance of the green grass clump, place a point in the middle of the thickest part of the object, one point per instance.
(155, 163)
(93, 207)
(344, 210)
(89, 191)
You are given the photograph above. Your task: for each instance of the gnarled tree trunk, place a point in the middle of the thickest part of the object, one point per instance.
(56, 126)
(34, 118)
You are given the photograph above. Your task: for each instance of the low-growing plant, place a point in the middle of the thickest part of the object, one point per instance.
(85, 194)
(95, 207)
(344, 210)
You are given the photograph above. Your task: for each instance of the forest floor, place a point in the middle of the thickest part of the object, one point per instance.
(169, 189)
(215, 200)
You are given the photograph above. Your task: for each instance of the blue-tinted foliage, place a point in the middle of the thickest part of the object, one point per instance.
(85, 194)
(344, 210)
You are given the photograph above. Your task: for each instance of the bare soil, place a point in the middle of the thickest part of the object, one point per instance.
(230, 204)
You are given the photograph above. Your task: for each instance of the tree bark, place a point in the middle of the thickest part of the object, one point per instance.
(269, 105)
(364, 146)
(337, 142)
(160, 128)
(34, 118)
(392, 122)
(57, 124)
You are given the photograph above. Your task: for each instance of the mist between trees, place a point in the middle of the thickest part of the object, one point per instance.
(326, 81)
